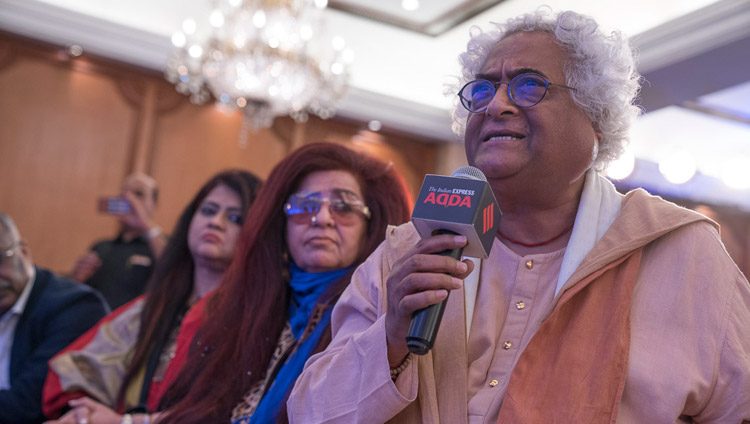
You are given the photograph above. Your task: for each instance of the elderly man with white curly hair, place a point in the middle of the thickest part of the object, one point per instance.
(593, 307)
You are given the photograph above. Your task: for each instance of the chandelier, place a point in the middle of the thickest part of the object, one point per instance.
(261, 56)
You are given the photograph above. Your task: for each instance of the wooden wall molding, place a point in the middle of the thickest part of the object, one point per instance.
(134, 89)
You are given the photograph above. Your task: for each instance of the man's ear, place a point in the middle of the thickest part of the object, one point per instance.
(597, 131)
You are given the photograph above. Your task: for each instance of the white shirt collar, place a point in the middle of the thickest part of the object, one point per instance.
(20, 304)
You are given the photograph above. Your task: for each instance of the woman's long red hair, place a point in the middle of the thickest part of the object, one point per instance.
(249, 310)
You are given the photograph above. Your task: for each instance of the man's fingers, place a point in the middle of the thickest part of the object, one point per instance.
(431, 263)
(419, 282)
(469, 269)
(416, 301)
(439, 243)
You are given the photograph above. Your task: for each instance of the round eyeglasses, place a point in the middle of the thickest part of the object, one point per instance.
(344, 206)
(524, 90)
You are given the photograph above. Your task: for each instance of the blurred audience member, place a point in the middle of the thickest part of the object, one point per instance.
(119, 268)
(40, 313)
(121, 362)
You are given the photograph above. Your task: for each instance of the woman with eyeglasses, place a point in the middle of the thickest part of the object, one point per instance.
(122, 361)
(322, 211)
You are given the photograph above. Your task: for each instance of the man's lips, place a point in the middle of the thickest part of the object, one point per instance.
(503, 136)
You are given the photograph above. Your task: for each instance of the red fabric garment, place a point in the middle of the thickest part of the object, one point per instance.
(54, 398)
(190, 325)
(98, 341)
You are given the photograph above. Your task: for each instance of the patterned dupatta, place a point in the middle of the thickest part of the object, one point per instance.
(306, 289)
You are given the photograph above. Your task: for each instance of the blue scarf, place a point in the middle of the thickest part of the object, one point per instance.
(306, 289)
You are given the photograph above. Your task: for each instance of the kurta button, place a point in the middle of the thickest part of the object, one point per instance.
(520, 305)
(493, 383)
(529, 264)
(507, 345)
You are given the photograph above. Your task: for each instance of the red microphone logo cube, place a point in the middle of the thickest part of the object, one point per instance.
(465, 206)
(488, 218)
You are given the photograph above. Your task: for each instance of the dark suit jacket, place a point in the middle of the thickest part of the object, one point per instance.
(56, 313)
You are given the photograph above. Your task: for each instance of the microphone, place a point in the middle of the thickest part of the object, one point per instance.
(462, 204)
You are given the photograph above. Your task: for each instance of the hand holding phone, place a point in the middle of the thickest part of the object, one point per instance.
(85, 267)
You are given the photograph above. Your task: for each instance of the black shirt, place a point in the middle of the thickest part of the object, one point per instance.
(125, 269)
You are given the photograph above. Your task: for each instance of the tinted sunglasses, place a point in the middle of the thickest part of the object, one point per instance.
(345, 207)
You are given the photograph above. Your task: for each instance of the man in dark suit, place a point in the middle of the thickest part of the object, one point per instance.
(40, 314)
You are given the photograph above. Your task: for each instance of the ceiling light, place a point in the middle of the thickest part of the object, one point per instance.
(374, 125)
(622, 167)
(678, 168)
(216, 18)
(179, 39)
(75, 50)
(410, 5)
(338, 42)
(736, 174)
(195, 51)
(266, 56)
(189, 26)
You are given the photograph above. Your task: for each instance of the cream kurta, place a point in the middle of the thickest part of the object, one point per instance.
(690, 332)
(515, 295)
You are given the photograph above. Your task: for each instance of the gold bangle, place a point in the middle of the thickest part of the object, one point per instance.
(399, 369)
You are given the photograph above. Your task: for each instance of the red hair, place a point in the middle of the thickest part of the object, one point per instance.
(250, 308)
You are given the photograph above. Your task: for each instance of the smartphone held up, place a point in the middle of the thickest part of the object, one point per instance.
(114, 205)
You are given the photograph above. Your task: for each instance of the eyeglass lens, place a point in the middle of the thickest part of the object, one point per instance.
(524, 90)
(343, 205)
(8, 253)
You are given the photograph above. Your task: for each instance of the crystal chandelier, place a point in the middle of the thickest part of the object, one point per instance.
(262, 56)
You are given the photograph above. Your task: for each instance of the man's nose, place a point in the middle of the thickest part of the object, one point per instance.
(501, 103)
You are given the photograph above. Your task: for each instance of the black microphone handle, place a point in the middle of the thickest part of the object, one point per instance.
(426, 322)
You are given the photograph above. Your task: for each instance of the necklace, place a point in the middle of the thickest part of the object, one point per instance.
(541, 243)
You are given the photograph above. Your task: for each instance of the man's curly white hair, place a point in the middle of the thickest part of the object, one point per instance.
(601, 68)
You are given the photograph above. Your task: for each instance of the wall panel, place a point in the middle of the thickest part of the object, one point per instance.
(64, 135)
(194, 143)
